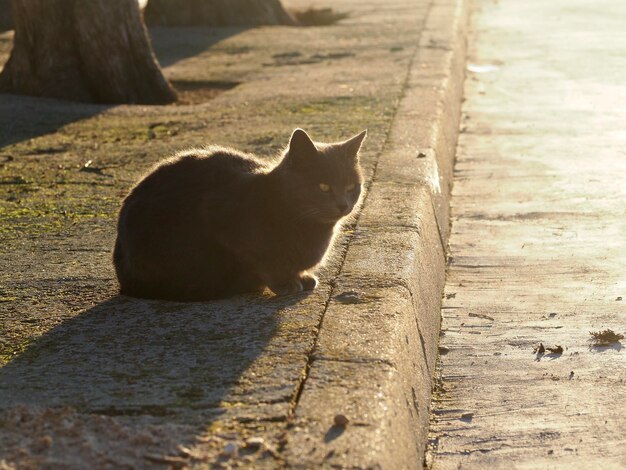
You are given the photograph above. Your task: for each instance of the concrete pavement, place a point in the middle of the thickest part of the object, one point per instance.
(92, 379)
(537, 246)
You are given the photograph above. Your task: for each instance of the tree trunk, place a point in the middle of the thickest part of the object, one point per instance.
(216, 13)
(83, 50)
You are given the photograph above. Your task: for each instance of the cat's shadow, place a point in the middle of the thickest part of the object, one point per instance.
(171, 362)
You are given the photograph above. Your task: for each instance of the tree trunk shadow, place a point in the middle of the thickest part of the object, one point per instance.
(26, 117)
(172, 44)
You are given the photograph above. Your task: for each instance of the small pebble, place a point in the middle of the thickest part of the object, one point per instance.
(341, 420)
(42, 444)
(230, 449)
(254, 442)
(349, 297)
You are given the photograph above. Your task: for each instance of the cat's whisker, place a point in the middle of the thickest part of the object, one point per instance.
(309, 213)
(314, 214)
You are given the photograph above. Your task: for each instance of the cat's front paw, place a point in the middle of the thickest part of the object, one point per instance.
(309, 281)
(293, 286)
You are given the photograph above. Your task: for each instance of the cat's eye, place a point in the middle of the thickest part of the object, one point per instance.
(324, 187)
(351, 187)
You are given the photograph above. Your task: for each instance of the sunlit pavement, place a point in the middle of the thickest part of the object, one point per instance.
(537, 243)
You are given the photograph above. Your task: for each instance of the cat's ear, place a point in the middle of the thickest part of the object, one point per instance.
(353, 145)
(301, 145)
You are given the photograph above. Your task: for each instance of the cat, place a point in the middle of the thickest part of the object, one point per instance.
(211, 223)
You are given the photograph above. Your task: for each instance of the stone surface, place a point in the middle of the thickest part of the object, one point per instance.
(90, 378)
(375, 354)
(537, 246)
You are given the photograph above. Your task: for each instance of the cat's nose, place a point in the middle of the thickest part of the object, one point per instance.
(343, 207)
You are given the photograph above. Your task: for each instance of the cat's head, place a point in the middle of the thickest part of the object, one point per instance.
(322, 181)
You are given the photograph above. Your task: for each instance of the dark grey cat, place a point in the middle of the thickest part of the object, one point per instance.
(212, 223)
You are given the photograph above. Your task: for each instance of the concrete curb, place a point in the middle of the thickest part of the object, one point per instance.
(375, 354)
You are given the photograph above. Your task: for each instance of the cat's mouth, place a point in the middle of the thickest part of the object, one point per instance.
(331, 218)
(328, 215)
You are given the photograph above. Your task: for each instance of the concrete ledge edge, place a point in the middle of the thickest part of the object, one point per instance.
(391, 328)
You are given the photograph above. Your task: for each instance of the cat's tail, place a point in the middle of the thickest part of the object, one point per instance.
(118, 262)
(129, 285)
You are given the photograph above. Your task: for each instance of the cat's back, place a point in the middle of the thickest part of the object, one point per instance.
(200, 170)
(189, 188)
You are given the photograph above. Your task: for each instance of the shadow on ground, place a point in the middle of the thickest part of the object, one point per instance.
(173, 44)
(150, 362)
(25, 117)
(127, 356)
